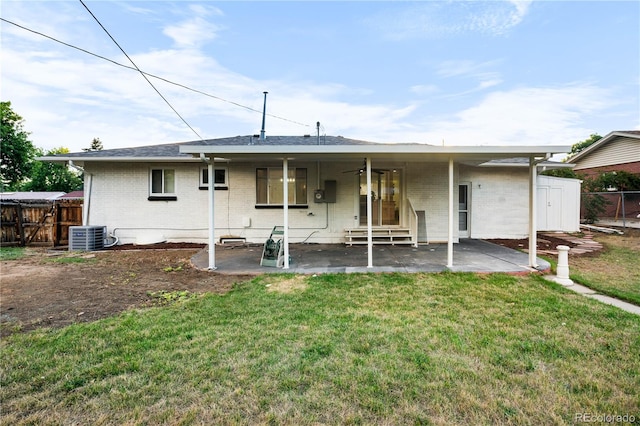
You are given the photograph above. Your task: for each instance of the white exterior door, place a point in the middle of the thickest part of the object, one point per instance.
(549, 208)
(464, 210)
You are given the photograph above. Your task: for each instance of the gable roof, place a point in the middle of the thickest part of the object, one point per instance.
(251, 147)
(524, 162)
(73, 195)
(608, 139)
(171, 151)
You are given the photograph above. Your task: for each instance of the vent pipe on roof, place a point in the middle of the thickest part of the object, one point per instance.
(264, 113)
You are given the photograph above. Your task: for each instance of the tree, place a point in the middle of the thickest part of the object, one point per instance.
(620, 180)
(561, 173)
(47, 176)
(96, 145)
(582, 145)
(17, 151)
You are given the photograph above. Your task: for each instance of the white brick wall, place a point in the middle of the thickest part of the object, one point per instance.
(119, 200)
(427, 188)
(499, 201)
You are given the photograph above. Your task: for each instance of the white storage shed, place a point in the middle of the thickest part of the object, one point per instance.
(558, 204)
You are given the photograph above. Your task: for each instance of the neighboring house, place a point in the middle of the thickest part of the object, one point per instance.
(618, 150)
(73, 195)
(30, 195)
(339, 190)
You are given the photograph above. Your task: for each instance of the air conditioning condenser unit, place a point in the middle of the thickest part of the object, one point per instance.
(87, 238)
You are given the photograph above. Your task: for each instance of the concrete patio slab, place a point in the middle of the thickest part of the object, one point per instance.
(469, 256)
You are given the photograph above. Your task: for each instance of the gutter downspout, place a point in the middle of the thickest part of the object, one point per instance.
(87, 195)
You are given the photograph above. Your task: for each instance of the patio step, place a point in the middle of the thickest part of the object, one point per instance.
(379, 236)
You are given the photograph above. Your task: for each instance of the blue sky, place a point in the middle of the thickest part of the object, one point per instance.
(452, 72)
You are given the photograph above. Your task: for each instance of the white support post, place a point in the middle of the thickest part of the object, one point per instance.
(369, 218)
(285, 205)
(533, 239)
(212, 226)
(450, 228)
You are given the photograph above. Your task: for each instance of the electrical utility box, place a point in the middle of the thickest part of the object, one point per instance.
(87, 238)
(326, 195)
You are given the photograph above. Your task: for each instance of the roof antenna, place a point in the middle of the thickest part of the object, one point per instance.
(264, 113)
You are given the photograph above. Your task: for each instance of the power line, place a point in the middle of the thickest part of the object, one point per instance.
(141, 73)
(149, 74)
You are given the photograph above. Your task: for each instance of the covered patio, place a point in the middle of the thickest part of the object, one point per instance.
(472, 256)
(386, 258)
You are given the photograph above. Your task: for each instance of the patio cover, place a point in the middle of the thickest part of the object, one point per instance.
(259, 150)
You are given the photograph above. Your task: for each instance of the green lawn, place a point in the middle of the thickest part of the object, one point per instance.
(336, 349)
(11, 253)
(615, 271)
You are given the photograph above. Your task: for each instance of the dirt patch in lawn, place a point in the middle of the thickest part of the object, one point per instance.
(630, 239)
(544, 243)
(55, 289)
(295, 283)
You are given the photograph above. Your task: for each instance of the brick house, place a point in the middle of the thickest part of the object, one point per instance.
(619, 150)
(339, 190)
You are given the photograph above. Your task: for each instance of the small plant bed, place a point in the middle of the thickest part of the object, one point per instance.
(157, 246)
(544, 243)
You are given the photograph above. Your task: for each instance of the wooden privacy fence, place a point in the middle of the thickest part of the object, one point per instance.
(39, 223)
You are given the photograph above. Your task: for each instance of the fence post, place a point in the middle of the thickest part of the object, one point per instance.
(19, 223)
(624, 215)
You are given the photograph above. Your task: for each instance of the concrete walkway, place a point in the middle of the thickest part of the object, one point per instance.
(586, 291)
(469, 256)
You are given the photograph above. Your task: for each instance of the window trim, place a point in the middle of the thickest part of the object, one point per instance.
(217, 186)
(295, 205)
(162, 196)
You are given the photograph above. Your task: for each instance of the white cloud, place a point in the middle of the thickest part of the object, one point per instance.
(480, 72)
(72, 100)
(193, 32)
(436, 19)
(455, 68)
(524, 116)
(424, 89)
(68, 98)
(205, 10)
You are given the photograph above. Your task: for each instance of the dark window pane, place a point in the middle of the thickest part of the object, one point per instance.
(220, 176)
(156, 181)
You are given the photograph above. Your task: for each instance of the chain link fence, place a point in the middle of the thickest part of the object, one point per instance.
(614, 208)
